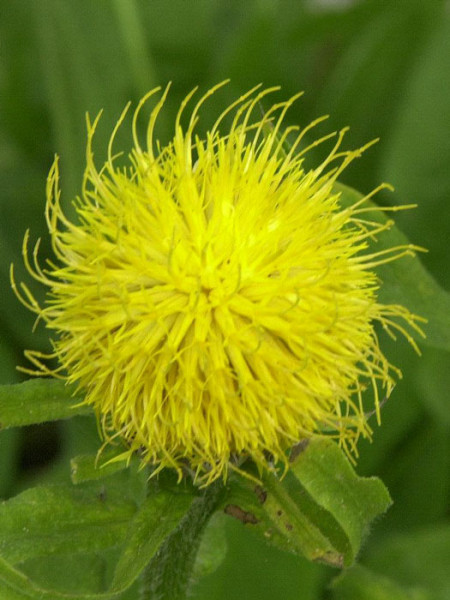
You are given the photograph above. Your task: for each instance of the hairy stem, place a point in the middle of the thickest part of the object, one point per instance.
(168, 574)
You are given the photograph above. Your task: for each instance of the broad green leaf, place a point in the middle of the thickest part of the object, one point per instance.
(14, 585)
(159, 515)
(38, 401)
(68, 573)
(400, 415)
(321, 509)
(417, 156)
(407, 282)
(434, 389)
(86, 573)
(63, 519)
(419, 477)
(359, 583)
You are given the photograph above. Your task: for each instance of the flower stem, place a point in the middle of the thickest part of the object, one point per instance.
(168, 574)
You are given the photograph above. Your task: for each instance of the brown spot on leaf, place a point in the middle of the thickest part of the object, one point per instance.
(238, 513)
(298, 449)
(289, 526)
(262, 494)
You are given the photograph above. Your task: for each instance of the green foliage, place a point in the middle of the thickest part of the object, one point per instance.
(66, 521)
(157, 517)
(321, 509)
(62, 519)
(37, 401)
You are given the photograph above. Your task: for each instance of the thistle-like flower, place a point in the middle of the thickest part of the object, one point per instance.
(213, 299)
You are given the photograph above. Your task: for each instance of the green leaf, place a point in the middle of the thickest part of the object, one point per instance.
(359, 583)
(89, 467)
(38, 401)
(353, 501)
(68, 573)
(422, 462)
(321, 508)
(418, 147)
(14, 585)
(434, 390)
(63, 519)
(406, 281)
(256, 570)
(159, 515)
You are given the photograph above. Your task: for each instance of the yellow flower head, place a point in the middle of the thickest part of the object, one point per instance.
(213, 299)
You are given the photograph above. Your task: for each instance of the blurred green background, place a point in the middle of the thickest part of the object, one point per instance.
(381, 67)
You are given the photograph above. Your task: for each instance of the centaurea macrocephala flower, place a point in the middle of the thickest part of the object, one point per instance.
(214, 300)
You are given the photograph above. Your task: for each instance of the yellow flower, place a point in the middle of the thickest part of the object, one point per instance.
(213, 299)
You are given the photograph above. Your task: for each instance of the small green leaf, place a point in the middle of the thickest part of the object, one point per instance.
(281, 519)
(158, 516)
(62, 519)
(406, 281)
(353, 501)
(320, 509)
(89, 467)
(37, 401)
(359, 583)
